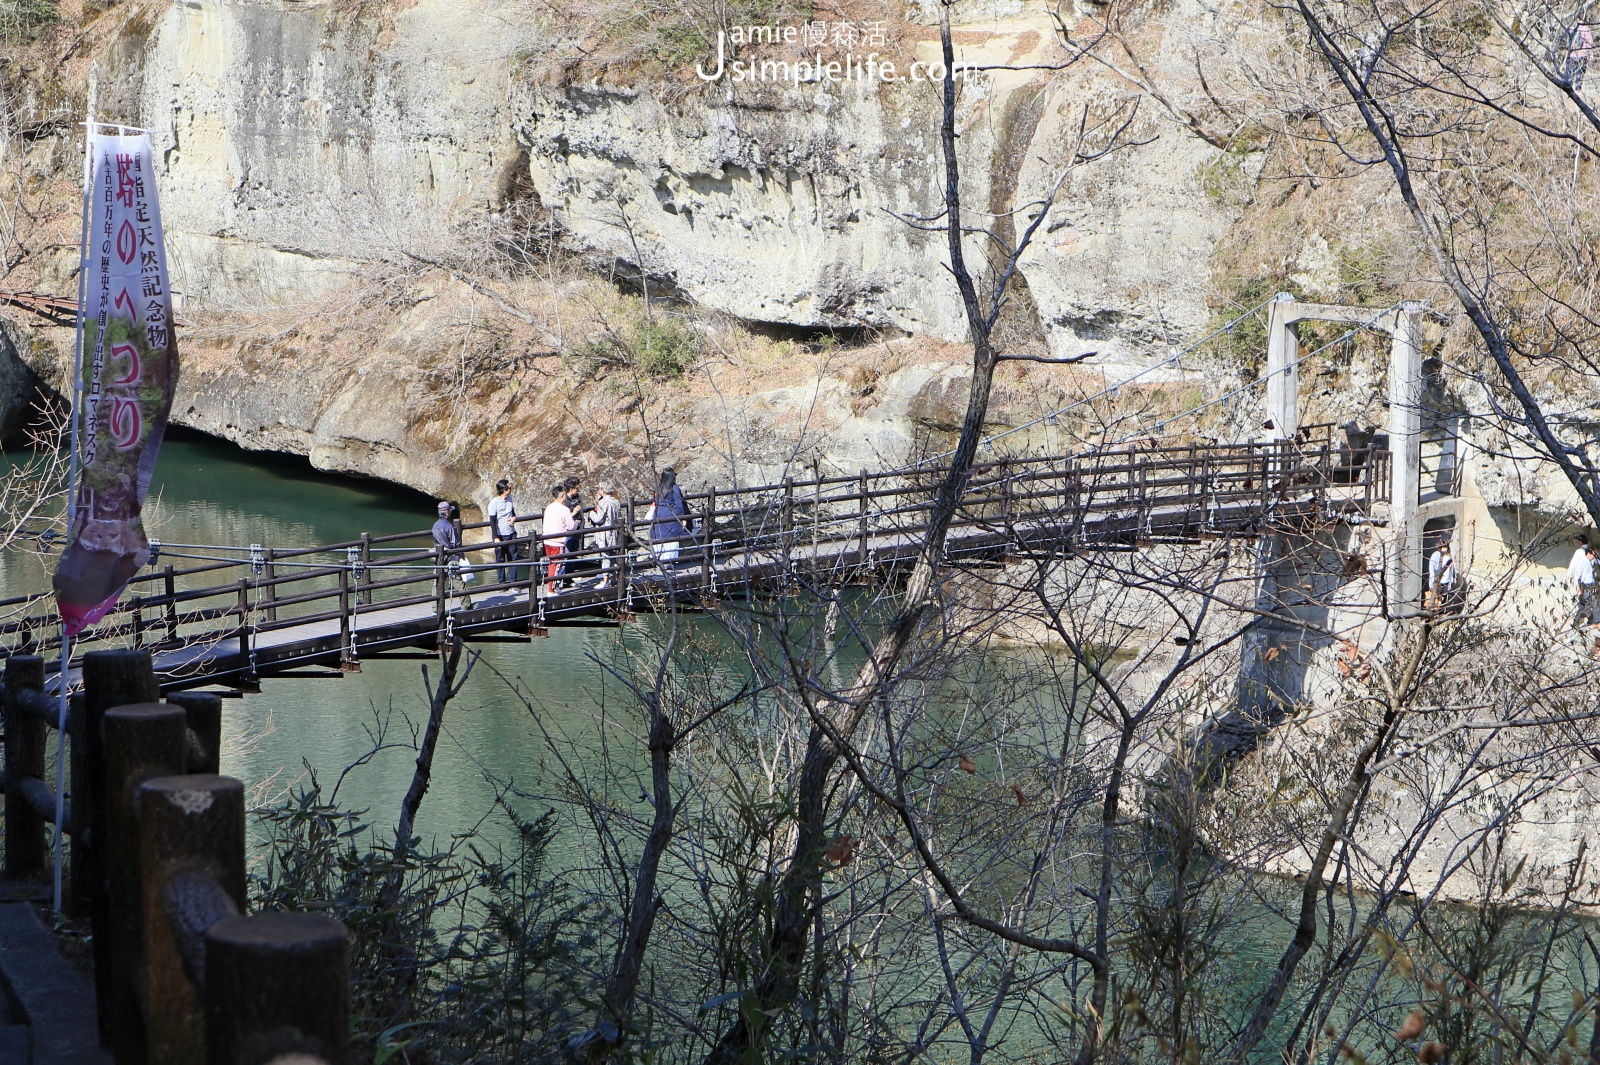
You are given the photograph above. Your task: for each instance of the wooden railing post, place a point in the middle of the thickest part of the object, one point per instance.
(191, 858)
(1266, 481)
(625, 543)
(816, 516)
(269, 587)
(786, 517)
(136, 611)
(110, 678)
(170, 587)
(861, 517)
(441, 586)
(532, 592)
(141, 741)
(706, 524)
(364, 583)
(1005, 498)
(246, 659)
(26, 740)
(1191, 488)
(278, 985)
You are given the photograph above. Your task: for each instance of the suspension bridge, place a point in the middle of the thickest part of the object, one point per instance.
(243, 614)
(306, 610)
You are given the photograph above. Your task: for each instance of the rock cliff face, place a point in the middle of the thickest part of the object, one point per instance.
(309, 152)
(300, 143)
(304, 149)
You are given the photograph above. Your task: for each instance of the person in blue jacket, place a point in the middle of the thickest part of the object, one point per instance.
(667, 526)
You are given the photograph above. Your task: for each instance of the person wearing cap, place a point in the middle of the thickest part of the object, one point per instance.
(444, 530)
(447, 535)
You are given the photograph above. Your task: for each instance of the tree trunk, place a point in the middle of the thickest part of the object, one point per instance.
(801, 882)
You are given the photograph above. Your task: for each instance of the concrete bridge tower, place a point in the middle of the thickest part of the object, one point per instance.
(1404, 561)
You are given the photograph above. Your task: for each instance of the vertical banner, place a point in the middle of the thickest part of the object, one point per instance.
(129, 371)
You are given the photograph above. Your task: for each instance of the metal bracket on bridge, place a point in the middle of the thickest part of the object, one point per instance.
(155, 551)
(352, 558)
(258, 560)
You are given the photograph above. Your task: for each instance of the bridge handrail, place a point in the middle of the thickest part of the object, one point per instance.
(841, 511)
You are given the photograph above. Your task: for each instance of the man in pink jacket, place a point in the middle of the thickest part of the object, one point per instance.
(558, 525)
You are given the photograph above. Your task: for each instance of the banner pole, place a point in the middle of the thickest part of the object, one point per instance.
(72, 468)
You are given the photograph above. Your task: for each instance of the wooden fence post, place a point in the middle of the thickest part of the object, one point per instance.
(203, 713)
(26, 740)
(538, 624)
(191, 853)
(110, 678)
(1006, 504)
(816, 517)
(277, 987)
(364, 583)
(141, 741)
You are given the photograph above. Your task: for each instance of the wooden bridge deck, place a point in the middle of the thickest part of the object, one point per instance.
(288, 612)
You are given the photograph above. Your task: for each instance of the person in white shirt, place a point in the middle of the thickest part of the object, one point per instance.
(559, 524)
(503, 525)
(1442, 579)
(1580, 575)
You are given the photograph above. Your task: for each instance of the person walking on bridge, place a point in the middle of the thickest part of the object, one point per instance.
(503, 524)
(574, 498)
(1581, 575)
(666, 518)
(445, 533)
(558, 527)
(606, 521)
(447, 537)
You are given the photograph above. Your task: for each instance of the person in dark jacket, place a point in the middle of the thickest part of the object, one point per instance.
(667, 526)
(447, 534)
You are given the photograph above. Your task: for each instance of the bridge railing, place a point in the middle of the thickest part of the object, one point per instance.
(831, 526)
